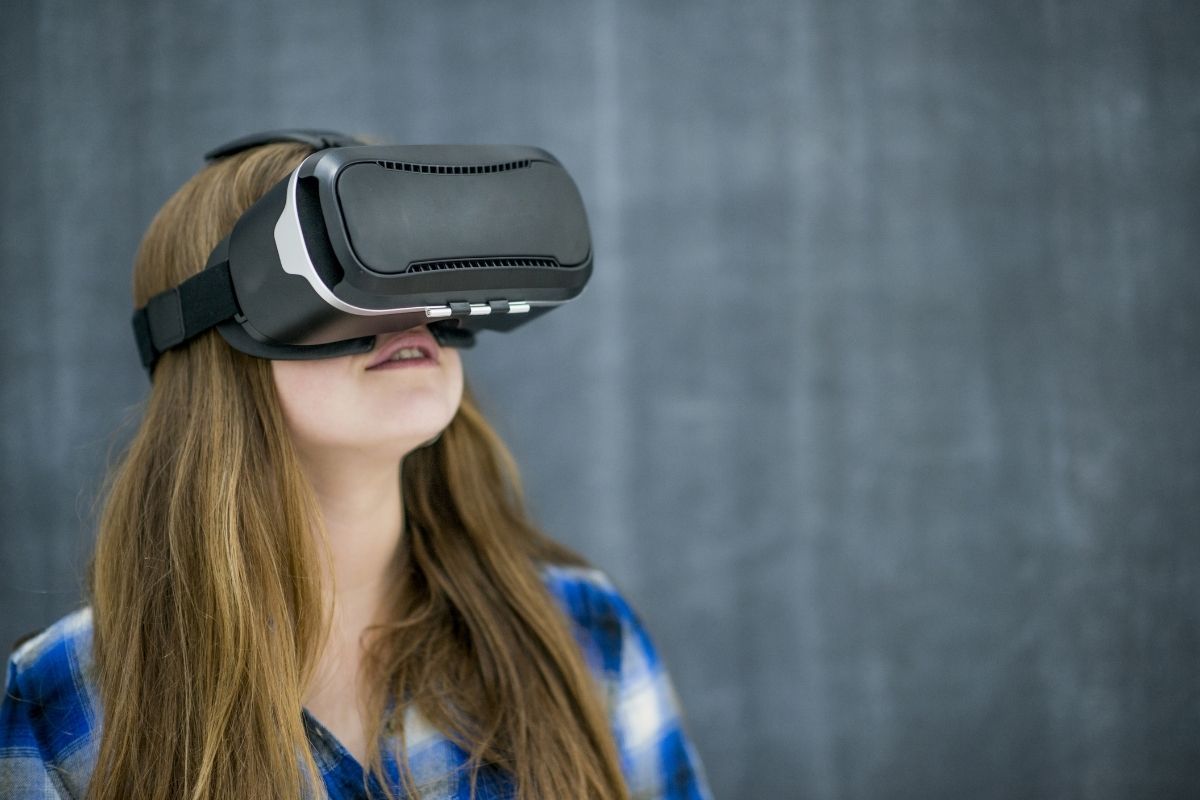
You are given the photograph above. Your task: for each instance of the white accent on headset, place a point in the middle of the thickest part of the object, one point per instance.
(293, 255)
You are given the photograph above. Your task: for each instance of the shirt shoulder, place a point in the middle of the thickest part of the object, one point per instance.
(600, 616)
(48, 714)
(658, 758)
(68, 639)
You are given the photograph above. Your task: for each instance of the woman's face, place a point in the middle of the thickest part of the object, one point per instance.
(386, 402)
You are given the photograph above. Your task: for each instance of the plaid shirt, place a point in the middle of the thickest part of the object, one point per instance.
(50, 717)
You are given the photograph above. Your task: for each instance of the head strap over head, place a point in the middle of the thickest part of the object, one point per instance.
(317, 139)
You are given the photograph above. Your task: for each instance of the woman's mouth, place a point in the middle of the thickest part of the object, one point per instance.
(409, 349)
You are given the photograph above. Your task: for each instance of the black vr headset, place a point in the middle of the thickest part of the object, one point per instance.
(366, 239)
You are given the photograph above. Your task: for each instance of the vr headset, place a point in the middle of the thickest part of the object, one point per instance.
(366, 239)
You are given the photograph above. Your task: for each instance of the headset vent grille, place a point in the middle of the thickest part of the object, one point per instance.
(435, 169)
(480, 263)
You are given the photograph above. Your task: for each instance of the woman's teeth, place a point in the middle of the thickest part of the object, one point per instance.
(405, 353)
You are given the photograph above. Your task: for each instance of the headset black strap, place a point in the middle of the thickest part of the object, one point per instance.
(318, 139)
(176, 315)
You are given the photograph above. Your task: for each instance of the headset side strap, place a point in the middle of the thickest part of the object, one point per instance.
(179, 314)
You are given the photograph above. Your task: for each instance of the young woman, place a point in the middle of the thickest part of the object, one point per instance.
(316, 578)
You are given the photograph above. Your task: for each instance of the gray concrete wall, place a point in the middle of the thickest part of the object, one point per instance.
(882, 405)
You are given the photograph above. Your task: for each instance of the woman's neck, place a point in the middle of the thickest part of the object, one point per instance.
(363, 513)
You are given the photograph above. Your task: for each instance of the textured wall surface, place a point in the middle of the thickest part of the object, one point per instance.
(882, 404)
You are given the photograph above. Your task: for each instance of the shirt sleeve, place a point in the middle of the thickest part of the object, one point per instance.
(657, 757)
(660, 761)
(24, 773)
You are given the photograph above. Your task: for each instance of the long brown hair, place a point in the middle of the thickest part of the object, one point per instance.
(206, 582)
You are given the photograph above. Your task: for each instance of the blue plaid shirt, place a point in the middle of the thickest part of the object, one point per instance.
(50, 718)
